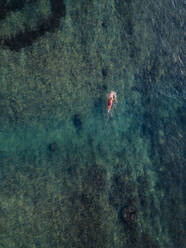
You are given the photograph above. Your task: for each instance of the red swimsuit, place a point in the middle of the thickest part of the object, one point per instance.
(109, 104)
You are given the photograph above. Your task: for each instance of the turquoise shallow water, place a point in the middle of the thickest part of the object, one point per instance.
(72, 175)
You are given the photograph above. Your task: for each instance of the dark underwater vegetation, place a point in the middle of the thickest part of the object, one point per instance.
(72, 175)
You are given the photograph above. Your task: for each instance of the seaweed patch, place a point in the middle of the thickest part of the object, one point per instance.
(28, 36)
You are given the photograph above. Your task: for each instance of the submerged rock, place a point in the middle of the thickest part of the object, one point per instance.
(104, 72)
(129, 214)
(77, 121)
(52, 147)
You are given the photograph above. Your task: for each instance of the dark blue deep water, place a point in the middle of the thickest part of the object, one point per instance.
(71, 174)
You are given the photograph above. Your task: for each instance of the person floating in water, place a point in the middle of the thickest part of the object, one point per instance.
(111, 98)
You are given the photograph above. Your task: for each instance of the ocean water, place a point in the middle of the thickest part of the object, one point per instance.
(72, 175)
